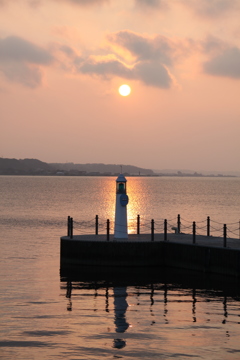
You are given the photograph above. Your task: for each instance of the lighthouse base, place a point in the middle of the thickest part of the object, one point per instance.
(119, 238)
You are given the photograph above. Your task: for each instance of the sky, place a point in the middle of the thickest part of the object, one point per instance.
(62, 62)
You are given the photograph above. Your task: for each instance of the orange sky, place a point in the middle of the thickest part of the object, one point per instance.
(62, 61)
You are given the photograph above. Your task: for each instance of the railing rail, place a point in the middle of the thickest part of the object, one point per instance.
(138, 225)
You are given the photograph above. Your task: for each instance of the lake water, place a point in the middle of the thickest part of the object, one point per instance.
(161, 314)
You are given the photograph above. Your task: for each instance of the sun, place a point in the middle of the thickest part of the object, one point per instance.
(124, 90)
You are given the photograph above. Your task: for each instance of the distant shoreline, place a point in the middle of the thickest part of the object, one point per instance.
(35, 167)
(126, 174)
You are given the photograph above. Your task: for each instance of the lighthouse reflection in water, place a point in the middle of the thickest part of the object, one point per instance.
(120, 308)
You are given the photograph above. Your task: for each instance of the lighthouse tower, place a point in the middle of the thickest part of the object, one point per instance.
(120, 229)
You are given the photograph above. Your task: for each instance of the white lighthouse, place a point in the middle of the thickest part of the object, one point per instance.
(121, 228)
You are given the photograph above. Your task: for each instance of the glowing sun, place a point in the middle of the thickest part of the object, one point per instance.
(124, 90)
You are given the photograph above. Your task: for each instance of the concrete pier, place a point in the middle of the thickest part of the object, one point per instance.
(207, 254)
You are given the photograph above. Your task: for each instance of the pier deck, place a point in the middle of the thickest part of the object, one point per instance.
(210, 241)
(207, 254)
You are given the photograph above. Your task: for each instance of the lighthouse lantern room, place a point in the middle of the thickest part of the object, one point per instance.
(120, 229)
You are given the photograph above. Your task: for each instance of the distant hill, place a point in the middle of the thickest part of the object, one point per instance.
(23, 167)
(108, 169)
(37, 167)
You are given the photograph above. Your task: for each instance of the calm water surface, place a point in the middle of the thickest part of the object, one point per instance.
(162, 315)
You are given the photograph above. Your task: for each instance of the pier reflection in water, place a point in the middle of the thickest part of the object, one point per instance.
(138, 309)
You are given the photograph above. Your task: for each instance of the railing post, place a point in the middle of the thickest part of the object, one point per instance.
(152, 230)
(194, 232)
(71, 227)
(165, 230)
(108, 229)
(138, 224)
(208, 226)
(179, 224)
(224, 235)
(96, 225)
(68, 226)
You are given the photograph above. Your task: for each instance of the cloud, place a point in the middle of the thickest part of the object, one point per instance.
(206, 8)
(85, 2)
(24, 74)
(153, 74)
(210, 8)
(151, 3)
(149, 67)
(213, 45)
(18, 49)
(21, 61)
(223, 58)
(151, 58)
(152, 62)
(104, 66)
(227, 63)
(144, 48)
(5, 2)
(141, 3)
(36, 3)
(148, 72)
(67, 50)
